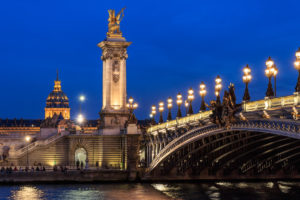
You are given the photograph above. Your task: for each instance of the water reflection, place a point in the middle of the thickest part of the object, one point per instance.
(270, 190)
(231, 190)
(27, 193)
(81, 193)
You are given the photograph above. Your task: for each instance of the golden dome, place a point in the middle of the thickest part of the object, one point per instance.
(57, 98)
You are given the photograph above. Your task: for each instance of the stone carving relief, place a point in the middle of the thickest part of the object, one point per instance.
(116, 70)
(114, 53)
(115, 121)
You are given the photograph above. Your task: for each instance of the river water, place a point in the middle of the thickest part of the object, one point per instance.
(154, 191)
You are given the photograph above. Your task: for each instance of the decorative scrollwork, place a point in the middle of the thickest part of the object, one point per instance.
(114, 53)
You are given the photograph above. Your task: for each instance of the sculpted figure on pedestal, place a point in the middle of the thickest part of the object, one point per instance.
(114, 22)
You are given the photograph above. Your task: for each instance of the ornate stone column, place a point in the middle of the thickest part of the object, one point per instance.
(114, 112)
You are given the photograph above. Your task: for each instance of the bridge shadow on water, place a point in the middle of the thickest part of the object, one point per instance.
(231, 190)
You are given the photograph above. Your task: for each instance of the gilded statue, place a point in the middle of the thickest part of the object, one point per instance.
(114, 23)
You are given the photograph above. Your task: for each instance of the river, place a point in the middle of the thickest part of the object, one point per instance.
(154, 191)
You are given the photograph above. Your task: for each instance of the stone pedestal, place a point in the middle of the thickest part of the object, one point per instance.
(132, 129)
(114, 113)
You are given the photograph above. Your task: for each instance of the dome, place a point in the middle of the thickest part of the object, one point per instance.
(57, 103)
(57, 98)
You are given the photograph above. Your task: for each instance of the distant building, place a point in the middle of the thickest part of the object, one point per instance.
(57, 102)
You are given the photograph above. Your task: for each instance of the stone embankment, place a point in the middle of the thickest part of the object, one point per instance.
(69, 176)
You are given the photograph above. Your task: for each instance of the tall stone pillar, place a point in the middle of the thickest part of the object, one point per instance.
(114, 113)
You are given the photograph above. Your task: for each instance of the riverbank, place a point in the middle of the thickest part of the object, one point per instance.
(69, 176)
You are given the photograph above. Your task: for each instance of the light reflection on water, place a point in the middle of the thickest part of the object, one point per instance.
(156, 191)
(27, 193)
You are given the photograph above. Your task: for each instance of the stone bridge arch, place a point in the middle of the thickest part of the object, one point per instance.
(266, 137)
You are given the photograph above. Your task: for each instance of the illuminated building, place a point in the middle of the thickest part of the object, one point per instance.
(57, 102)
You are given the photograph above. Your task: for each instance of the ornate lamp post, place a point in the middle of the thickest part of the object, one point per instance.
(297, 66)
(153, 113)
(27, 139)
(190, 100)
(131, 106)
(170, 105)
(179, 102)
(275, 72)
(218, 88)
(161, 109)
(186, 104)
(246, 79)
(202, 93)
(269, 73)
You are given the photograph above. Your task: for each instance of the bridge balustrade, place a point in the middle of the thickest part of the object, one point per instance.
(264, 104)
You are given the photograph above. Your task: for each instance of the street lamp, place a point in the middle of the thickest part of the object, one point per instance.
(246, 79)
(27, 139)
(269, 73)
(190, 100)
(153, 113)
(170, 105)
(131, 106)
(202, 93)
(161, 109)
(218, 88)
(81, 99)
(186, 104)
(179, 102)
(297, 66)
(80, 119)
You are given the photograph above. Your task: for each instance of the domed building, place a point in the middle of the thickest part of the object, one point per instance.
(57, 102)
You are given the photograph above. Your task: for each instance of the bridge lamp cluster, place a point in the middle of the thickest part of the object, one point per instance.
(271, 71)
(190, 100)
(297, 66)
(218, 88)
(161, 109)
(170, 105)
(179, 102)
(131, 107)
(246, 79)
(186, 105)
(153, 113)
(202, 93)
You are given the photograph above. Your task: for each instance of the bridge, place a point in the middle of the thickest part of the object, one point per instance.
(261, 138)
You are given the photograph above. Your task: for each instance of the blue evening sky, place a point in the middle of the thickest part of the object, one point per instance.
(175, 46)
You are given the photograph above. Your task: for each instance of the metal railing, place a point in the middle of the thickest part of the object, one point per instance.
(180, 121)
(265, 104)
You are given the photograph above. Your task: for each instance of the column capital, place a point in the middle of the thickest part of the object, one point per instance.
(114, 49)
